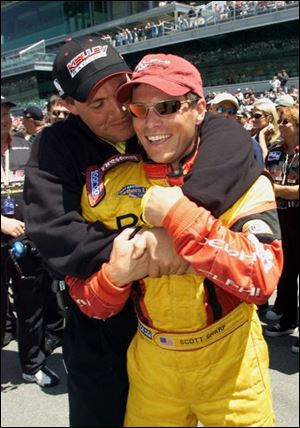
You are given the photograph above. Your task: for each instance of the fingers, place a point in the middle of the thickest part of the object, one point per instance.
(126, 234)
(139, 246)
(184, 268)
(21, 228)
(154, 270)
(17, 228)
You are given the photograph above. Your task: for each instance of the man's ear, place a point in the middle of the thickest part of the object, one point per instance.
(201, 109)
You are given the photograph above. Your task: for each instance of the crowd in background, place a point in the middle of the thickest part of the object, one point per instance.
(194, 18)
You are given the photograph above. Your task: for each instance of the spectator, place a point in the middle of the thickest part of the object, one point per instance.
(239, 96)
(33, 121)
(227, 106)
(56, 111)
(161, 28)
(275, 84)
(284, 78)
(192, 16)
(284, 101)
(17, 126)
(35, 303)
(283, 163)
(153, 31)
(264, 123)
(242, 117)
(294, 93)
(200, 18)
(224, 104)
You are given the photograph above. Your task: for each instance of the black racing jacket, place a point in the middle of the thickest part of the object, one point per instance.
(55, 175)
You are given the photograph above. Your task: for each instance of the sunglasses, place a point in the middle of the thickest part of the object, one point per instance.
(231, 110)
(56, 113)
(257, 115)
(163, 108)
(283, 121)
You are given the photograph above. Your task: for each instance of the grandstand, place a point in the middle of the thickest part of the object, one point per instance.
(234, 44)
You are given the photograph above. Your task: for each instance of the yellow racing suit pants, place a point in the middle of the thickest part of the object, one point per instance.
(218, 376)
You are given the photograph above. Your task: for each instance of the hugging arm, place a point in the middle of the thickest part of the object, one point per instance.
(148, 253)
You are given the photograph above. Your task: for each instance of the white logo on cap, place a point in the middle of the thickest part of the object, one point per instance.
(85, 57)
(155, 61)
(58, 87)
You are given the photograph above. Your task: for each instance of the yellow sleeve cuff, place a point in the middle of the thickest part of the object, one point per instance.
(144, 202)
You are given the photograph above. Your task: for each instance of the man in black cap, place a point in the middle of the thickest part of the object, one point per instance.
(30, 282)
(33, 121)
(87, 73)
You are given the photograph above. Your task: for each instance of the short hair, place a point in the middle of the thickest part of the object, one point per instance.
(192, 97)
(54, 99)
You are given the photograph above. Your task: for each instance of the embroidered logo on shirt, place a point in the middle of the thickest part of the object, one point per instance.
(133, 191)
(95, 176)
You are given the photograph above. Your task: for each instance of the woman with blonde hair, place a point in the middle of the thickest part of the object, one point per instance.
(282, 162)
(264, 121)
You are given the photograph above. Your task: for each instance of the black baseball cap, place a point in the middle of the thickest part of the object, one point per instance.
(34, 113)
(4, 101)
(82, 63)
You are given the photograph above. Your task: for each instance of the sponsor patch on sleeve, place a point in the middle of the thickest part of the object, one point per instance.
(257, 227)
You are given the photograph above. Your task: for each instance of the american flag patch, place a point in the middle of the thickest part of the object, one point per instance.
(165, 341)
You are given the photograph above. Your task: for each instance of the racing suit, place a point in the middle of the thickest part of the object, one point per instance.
(222, 377)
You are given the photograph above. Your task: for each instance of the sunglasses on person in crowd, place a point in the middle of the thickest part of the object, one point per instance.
(162, 108)
(231, 110)
(283, 121)
(258, 115)
(56, 113)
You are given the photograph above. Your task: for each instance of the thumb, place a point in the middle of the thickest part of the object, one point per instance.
(127, 233)
(139, 246)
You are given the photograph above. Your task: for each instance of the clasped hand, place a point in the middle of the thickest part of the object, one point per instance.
(150, 252)
(157, 201)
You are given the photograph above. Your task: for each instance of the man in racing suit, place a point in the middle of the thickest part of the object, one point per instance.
(235, 251)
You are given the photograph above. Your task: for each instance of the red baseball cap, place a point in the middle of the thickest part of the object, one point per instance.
(169, 73)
